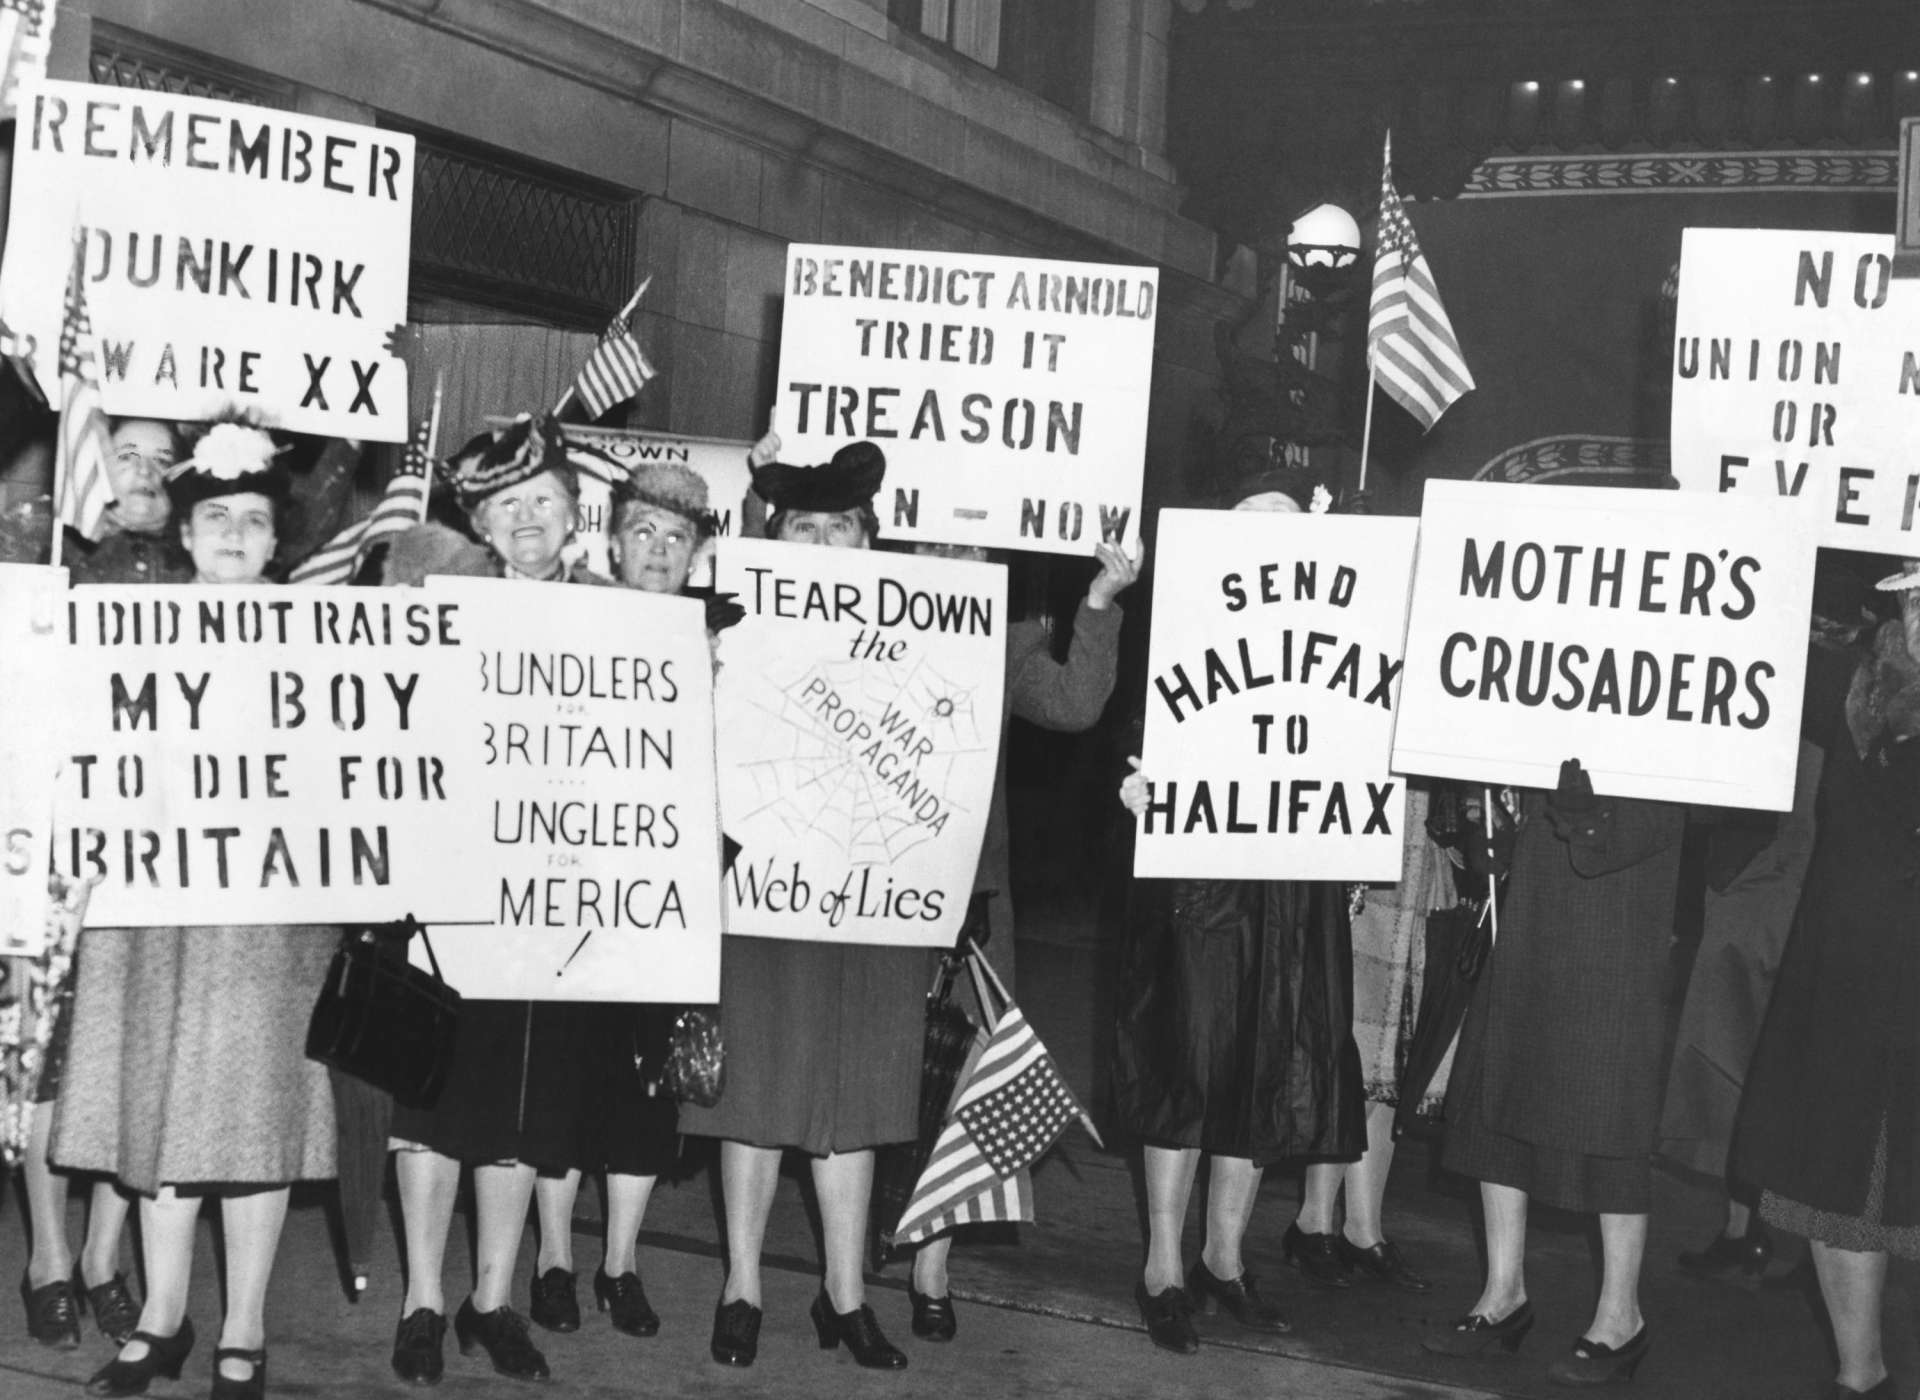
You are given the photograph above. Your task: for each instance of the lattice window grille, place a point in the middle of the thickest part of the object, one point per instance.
(122, 59)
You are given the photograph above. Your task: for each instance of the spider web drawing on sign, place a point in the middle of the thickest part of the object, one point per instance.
(872, 773)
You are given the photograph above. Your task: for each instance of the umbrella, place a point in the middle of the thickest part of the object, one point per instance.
(364, 1116)
(950, 1036)
(1456, 946)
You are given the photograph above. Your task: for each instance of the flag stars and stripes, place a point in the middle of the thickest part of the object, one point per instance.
(1415, 355)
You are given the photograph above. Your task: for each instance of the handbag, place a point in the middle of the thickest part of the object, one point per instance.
(384, 1021)
(695, 1071)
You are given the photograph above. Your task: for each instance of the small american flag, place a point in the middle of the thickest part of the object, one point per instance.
(1415, 355)
(402, 506)
(1012, 1108)
(83, 492)
(26, 36)
(616, 370)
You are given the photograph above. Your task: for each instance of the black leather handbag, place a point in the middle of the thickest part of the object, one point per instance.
(383, 1020)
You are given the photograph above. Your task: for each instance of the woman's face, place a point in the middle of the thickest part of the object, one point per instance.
(142, 452)
(1278, 502)
(837, 529)
(230, 538)
(653, 549)
(529, 524)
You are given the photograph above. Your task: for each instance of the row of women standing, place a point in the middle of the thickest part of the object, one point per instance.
(186, 1075)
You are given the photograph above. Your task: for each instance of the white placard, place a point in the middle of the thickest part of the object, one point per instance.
(1797, 374)
(591, 741)
(722, 462)
(1273, 671)
(1659, 637)
(259, 754)
(32, 608)
(1009, 394)
(235, 255)
(859, 717)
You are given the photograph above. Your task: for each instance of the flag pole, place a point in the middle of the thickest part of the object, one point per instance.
(1366, 428)
(1493, 881)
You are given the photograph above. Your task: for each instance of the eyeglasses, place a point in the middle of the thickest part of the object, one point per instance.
(513, 507)
(645, 532)
(155, 462)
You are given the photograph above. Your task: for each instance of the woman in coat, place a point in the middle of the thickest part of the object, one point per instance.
(516, 1096)
(823, 1039)
(1555, 1094)
(1234, 1038)
(187, 1073)
(1830, 1127)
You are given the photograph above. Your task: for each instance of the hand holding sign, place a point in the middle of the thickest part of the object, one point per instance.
(1118, 571)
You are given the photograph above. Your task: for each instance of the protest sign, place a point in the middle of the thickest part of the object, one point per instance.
(859, 713)
(32, 600)
(26, 38)
(1272, 675)
(1796, 373)
(1009, 394)
(1658, 637)
(611, 452)
(592, 739)
(234, 255)
(256, 754)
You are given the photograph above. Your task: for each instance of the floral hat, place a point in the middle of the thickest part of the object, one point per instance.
(233, 457)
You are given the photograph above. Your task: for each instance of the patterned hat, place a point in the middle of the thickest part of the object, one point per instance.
(504, 457)
(234, 457)
(668, 486)
(849, 481)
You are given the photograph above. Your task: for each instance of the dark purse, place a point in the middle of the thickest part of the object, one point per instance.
(384, 1021)
(695, 1071)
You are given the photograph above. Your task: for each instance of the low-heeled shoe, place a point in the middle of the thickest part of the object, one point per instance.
(115, 1312)
(502, 1333)
(418, 1356)
(1381, 1263)
(1169, 1318)
(254, 1387)
(736, 1333)
(1741, 1260)
(555, 1305)
(933, 1318)
(1595, 1363)
(860, 1330)
(625, 1301)
(1474, 1333)
(1239, 1296)
(1316, 1257)
(53, 1313)
(165, 1356)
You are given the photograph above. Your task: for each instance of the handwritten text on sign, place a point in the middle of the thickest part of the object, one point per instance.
(1009, 394)
(590, 735)
(1797, 374)
(234, 254)
(1273, 674)
(32, 607)
(260, 754)
(859, 713)
(1658, 637)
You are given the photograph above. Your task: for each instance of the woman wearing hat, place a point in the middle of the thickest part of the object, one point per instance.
(516, 1096)
(188, 1070)
(823, 1039)
(1830, 1127)
(659, 523)
(1234, 1039)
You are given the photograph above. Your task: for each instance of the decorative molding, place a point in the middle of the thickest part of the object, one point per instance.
(1718, 172)
(1582, 454)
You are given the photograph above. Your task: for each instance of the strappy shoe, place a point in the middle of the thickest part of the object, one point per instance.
(254, 1387)
(165, 1356)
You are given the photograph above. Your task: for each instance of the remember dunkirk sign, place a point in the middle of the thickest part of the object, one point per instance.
(1009, 394)
(233, 255)
(1659, 637)
(1797, 374)
(1271, 694)
(860, 702)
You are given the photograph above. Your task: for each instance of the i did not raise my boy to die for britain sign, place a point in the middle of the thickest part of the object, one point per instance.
(1660, 637)
(1273, 678)
(860, 702)
(232, 254)
(1009, 394)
